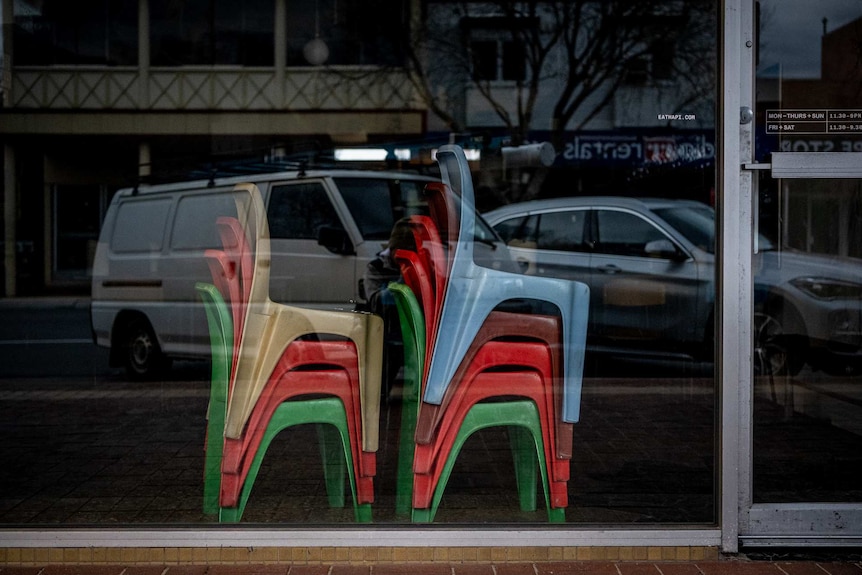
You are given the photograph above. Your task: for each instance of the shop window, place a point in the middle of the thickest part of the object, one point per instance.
(86, 32)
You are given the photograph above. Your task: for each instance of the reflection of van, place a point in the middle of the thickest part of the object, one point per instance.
(325, 226)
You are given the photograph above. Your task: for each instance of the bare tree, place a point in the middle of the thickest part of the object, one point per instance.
(581, 50)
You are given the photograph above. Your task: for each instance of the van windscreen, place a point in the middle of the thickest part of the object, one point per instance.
(376, 204)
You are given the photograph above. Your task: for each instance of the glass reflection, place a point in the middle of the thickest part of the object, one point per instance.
(808, 272)
(120, 433)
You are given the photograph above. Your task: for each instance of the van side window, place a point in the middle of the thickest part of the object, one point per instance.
(298, 211)
(195, 222)
(140, 226)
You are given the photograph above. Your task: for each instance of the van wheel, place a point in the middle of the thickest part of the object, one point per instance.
(143, 357)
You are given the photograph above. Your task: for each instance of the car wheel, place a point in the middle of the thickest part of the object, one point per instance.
(143, 357)
(775, 351)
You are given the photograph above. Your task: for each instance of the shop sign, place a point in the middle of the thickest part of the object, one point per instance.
(638, 149)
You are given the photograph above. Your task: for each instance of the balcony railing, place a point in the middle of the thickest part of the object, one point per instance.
(211, 89)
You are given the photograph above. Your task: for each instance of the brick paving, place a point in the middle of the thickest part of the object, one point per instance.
(721, 567)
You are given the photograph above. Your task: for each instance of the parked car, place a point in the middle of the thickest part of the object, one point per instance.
(325, 226)
(650, 265)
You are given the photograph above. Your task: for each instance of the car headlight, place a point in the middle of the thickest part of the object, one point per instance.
(828, 288)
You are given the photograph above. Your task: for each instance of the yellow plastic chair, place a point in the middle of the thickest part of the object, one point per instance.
(270, 327)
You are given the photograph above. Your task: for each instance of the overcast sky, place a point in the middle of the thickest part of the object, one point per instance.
(791, 32)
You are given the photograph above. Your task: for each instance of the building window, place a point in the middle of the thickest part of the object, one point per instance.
(212, 32)
(85, 32)
(353, 33)
(495, 51)
(655, 65)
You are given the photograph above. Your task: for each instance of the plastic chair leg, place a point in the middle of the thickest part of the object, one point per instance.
(404, 481)
(333, 463)
(412, 330)
(328, 410)
(522, 414)
(526, 466)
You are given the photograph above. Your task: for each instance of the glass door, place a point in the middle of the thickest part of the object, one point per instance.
(806, 398)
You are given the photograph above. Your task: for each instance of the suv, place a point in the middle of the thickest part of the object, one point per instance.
(325, 227)
(650, 265)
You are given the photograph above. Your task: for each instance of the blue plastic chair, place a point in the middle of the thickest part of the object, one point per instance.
(472, 292)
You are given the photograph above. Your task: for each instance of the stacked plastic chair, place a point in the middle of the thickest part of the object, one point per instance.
(473, 357)
(276, 366)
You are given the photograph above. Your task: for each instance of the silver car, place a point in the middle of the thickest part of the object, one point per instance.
(650, 265)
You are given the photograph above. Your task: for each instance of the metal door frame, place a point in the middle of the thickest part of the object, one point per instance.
(744, 522)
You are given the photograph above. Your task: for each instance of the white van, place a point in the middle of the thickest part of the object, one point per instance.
(325, 227)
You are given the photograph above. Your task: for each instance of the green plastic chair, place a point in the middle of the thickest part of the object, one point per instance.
(221, 339)
(521, 417)
(329, 412)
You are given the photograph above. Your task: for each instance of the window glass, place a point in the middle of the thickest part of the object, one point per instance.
(517, 229)
(140, 226)
(194, 225)
(562, 231)
(207, 32)
(372, 204)
(514, 61)
(93, 32)
(299, 211)
(484, 59)
(624, 234)
(349, 33)
(611, 128)
(695, 223)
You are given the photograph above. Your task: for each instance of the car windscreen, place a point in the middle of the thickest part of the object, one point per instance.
(695, 223)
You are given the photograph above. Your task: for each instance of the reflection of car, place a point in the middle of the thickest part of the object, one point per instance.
(325, 226)
(650, 265)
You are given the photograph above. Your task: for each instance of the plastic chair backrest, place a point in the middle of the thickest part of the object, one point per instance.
(269, 328)
(472, 292)
(430, 248)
